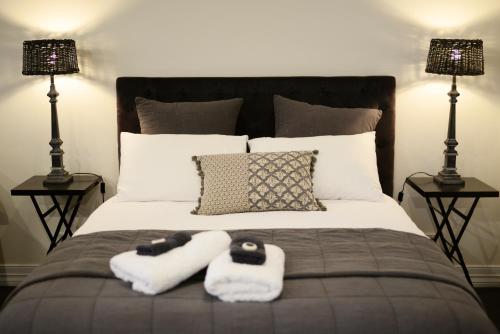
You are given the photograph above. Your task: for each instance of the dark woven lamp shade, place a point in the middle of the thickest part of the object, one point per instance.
(49, 57)
(456, 57)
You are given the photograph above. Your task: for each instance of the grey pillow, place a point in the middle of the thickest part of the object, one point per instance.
(300, 119)
(214, 117)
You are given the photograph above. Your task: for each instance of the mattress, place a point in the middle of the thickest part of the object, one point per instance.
(115, 215)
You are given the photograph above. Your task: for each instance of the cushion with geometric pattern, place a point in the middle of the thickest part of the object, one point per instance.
(250, 182)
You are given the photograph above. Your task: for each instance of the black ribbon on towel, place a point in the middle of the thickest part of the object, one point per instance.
(160, 246)
(248, 250)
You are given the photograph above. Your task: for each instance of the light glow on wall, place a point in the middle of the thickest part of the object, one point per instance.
(436, 88)
(443, 14)
(60, 16)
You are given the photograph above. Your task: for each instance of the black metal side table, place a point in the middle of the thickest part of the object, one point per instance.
(473, 189)
(81, 185)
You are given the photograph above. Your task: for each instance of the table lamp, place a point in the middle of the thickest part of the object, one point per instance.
(454, 57)
(52, 57)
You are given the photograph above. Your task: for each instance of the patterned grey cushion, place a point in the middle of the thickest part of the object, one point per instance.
(275, 181)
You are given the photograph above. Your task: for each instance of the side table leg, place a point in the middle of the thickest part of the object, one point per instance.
(439, 227)
(62, 221)
(454, 242)
(466, 218)
(443, 214)
(58, 208)
(44, 223)
(72, 218)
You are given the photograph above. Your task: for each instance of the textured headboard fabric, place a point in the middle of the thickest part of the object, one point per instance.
(256, 118)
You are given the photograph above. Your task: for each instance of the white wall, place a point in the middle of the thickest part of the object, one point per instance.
(243, 38)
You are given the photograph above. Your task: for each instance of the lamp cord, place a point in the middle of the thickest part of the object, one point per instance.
(401, 193)
(101, 180)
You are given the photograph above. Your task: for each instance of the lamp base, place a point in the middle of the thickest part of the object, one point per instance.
(448, 175)
(58, 175)
(53, 180)
(449, 179)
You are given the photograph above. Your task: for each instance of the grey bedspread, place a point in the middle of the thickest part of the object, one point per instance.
(337, 281)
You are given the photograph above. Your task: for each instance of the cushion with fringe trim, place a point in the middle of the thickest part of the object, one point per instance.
(252, 182)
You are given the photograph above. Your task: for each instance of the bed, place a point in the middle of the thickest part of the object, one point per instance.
(359, 267)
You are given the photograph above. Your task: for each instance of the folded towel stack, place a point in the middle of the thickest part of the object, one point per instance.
(233, 282)
(155, 274)
(160, 246)
(248, 249)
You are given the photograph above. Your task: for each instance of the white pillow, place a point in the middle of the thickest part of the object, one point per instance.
(160, 167)
(346, 167)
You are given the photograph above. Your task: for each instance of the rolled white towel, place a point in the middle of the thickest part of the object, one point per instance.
(238, 282)
(155, 274)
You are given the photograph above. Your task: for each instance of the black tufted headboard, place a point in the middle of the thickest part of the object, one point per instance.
(257, 115)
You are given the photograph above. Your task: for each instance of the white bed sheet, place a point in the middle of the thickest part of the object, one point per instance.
(114, 215)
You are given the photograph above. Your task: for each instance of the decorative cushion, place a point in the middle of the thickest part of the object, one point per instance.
(300, 119)
(273, 181)
(214, 117)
